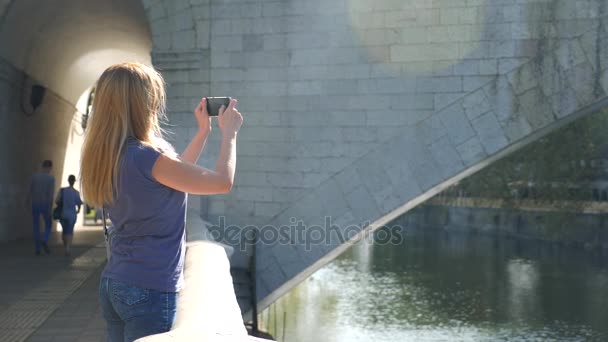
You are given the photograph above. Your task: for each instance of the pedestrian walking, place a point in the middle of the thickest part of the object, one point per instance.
(69, 200)
(42, 188)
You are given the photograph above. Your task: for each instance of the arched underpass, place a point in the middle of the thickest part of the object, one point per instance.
(64, 46)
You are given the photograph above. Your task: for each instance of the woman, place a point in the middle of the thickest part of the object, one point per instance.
(69, 199)
(131, 171)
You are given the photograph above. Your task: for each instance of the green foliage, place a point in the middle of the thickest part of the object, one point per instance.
(556, 167)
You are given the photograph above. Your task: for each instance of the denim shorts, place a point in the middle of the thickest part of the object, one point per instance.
(132, 312)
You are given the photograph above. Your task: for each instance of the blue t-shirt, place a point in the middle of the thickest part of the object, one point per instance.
(42, 188)
(149, 240)
(71, 199)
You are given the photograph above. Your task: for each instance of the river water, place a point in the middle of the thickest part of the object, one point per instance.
(436, 286)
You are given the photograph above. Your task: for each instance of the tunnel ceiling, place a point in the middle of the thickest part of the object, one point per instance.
(66, 44)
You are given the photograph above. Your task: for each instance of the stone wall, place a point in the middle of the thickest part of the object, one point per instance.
(573, 229)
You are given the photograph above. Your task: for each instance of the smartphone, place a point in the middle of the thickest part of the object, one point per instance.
(214, 104)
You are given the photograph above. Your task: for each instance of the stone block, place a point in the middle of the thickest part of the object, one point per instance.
(570, 53)
(338, 87)
(574, 28)
(524, 78)
(452, 33)
(266, 209)
(309, 57)
(273, 9)
(251, 178)
(162, 41)
(594, 44)
(201, 12)
(450, 16)
(361, 71)
(457, 123)
(225, 75)
(272, 267)
(265, 59)
(536, 108)
(604, 80)
(304, 88)
(497, 32)
(586, 83)
(384, 85)
(474, 50)
(502, 48)
(184, 40)
(476, 104)
(346, 118)
(415, 35)
(217, 207)
(348, 179)
(181, 21)
(409, 101)
(373, 37)
(447, 157)
(291, 179)
(516, 127)
(250, 193)
(490, 133)
(447, 84)
(332, 198)
(417, 159)
(362, 205)
(431, 129)
(471, 83)
(564, 102)
(442, 100)
(364, 134)
(469, 67)
(426, 52)
(307, 40)
(155, 12)
(237, 207)
(501, 97)
(471, 151)
(275, 41)
(372, 174)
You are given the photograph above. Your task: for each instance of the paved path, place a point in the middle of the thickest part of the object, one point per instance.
(52, 297)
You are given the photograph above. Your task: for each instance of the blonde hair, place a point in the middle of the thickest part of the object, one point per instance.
(129, 101)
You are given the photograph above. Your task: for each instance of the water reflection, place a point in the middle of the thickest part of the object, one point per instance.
(438, 287)
(523, 284)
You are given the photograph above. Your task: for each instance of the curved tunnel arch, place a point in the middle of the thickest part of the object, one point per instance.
(64, 46)
(67, 44)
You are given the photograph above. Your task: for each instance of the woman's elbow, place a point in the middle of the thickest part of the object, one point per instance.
(226, 186)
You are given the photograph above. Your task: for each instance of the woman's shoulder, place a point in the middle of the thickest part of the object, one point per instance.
(141, 156)
(70, 189)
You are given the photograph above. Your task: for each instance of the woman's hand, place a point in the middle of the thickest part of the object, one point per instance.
(229, 119)
(202, 117)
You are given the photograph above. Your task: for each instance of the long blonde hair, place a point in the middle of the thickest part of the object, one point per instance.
(129, 101)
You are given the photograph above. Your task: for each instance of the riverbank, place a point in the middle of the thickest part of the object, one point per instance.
(565, 223)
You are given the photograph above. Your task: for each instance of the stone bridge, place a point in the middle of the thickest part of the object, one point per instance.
(357, 110)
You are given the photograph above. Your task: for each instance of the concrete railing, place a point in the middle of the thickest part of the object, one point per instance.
(207, 307)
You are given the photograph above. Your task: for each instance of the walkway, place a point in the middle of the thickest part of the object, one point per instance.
(52, 298)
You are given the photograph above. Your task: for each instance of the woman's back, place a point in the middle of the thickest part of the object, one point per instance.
(144, 192)
(148, 244)
(71, 199)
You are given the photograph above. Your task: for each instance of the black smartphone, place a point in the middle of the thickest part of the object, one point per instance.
(214, 104)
